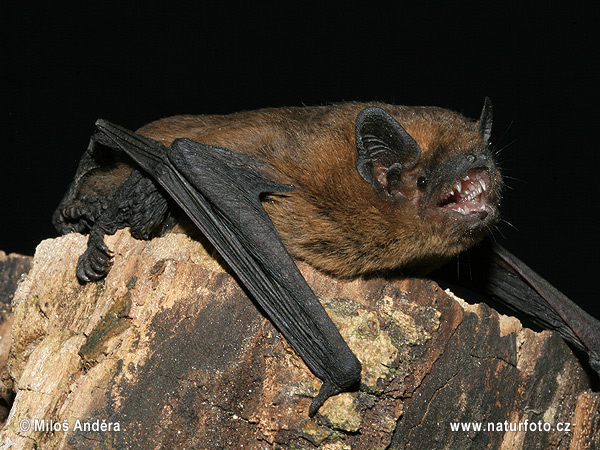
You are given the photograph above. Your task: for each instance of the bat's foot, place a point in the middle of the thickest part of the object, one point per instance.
(95, 262)
(78, 216)
(327, 390)
(346, 372)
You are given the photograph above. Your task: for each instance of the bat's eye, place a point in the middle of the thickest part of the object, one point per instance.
(422, 183)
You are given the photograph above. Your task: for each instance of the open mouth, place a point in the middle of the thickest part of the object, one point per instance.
(469, 194)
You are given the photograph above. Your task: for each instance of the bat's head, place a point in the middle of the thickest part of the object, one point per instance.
(434, 176)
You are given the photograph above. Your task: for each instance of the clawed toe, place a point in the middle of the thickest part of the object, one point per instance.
(95, 263)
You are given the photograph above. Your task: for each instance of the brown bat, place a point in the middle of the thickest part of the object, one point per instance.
(352, 189)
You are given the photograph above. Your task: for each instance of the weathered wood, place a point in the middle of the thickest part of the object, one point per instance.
(171, 351)
(13, 268)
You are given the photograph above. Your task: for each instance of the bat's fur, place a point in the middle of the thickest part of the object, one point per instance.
(334, 220)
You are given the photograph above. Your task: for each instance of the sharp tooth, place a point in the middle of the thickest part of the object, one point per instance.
(482, 183)
(466, 178)
(458, 187)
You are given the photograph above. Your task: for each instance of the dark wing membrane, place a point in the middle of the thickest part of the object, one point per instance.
(219, 190)
(513, 283)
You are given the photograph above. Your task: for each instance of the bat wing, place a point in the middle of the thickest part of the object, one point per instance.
(497, 273)
(513, 283)
(220, 191)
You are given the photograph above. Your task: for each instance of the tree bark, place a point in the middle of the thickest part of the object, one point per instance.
(13, 268)
(169, 352)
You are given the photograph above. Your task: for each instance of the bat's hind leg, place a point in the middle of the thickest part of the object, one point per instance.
(137, 204)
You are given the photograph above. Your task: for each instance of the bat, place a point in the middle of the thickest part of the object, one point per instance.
(352, 189)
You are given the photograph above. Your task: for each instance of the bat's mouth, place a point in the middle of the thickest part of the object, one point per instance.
(469, 194)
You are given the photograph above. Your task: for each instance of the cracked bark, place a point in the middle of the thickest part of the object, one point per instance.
(171, 349)
(13, 268)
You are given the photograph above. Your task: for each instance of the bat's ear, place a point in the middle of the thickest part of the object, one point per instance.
(485, 121)
(385, 149)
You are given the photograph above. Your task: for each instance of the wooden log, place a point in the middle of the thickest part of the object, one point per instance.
(168, 352)
(13, 268)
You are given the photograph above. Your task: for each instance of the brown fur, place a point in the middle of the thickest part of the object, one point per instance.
(334, 219)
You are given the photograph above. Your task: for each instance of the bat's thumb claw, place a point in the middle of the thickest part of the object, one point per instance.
(327, 390)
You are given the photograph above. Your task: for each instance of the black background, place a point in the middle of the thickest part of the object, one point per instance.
(63, 68)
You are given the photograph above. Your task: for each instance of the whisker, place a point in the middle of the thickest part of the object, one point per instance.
(498, 150)
(469, 264)
(491, 234)
(510, 224)
(499, 231)
(505, 132)
(514, 178)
